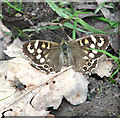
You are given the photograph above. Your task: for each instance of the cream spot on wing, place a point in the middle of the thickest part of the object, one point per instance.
(94, 51)
(91, 55)
(46, 55)
(30, 50)
(38, 56)
(48, 60)
(42, 60)
(93, 39)
(86, 41)
(39, 51)
(102, 42)
(43, 45)
(85, 51)
(85, 57)
(102, 39)
(48, 47)
(81, 44)
(92, 45)
(36, 44)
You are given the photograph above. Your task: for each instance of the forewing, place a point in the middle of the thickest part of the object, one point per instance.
(44, 54)
(84, 58)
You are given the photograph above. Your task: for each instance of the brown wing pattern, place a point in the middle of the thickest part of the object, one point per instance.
(50, 57)
(84, 58)
(43, 54)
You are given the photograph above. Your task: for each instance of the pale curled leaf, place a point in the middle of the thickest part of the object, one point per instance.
(46, 90)
(71, 85)
(104, 67)
(81, 93)
(5, 38)
(14, 50)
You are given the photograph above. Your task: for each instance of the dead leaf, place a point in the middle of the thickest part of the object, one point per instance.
(104, 67)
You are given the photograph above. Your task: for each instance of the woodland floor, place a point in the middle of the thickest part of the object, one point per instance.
(98, 103)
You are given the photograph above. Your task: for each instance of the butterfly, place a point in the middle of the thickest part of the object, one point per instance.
(52, 56)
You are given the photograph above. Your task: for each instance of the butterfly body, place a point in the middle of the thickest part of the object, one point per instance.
(65, 54)
(52, 56)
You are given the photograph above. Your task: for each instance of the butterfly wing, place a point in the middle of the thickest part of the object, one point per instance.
(44, 54)
(84, 59)
(49, 56)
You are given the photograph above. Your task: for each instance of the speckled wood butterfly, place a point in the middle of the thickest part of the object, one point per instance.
(51, 56)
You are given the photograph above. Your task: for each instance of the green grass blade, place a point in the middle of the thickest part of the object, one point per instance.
(89, 27)
(114, 23)
(12, 6)
(1, 16)
(103, 51)
(83, 12)
(65, 14)
(99, 8)
(74, 30)
(57, 9)
(113, 57)
(6, 97)
(113, 74)
(69, 25)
